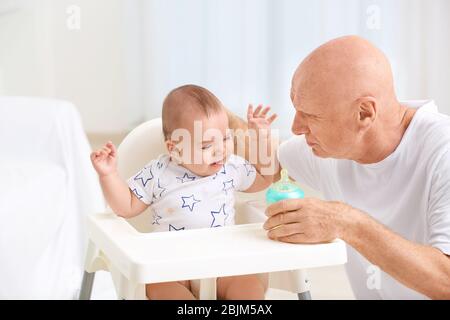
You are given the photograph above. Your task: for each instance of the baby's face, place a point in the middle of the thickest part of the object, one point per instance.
(208, 146)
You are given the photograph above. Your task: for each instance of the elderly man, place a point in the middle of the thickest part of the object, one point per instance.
(382, 165)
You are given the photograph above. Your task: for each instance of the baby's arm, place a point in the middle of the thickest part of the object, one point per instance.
(260, 140)
(117, 193)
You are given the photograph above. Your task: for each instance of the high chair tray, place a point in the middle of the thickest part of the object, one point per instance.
(203, 253)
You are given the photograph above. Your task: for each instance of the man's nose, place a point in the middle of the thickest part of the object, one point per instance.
(300, 125)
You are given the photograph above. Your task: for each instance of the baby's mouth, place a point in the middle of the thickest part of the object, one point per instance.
(217, 163)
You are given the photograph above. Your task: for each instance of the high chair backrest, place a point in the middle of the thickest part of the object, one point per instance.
(140, 146)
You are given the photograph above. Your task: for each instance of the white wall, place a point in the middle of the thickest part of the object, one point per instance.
(247, 51)
(89, 66)
(23, 63)
(129, 53)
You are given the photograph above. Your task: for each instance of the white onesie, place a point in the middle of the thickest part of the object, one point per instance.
(182, 200)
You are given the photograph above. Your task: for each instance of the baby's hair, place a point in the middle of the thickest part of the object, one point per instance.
(178, 99)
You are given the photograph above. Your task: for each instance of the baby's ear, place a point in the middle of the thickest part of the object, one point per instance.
(173, 151)
(170, 145)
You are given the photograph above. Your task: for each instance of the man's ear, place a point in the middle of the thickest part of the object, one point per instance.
(367, 112)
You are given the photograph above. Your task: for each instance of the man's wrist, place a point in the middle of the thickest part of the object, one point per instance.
(350, 221)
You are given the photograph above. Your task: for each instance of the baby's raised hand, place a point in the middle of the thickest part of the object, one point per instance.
(104, 160)
(257, 119)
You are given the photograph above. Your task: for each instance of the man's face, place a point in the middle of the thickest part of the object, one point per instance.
(329, 126)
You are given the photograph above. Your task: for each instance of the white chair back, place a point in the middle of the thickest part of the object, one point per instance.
(140, 146)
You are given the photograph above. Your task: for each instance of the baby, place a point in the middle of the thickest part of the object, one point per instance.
(193, 185)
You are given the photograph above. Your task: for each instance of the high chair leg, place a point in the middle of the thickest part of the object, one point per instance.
(86, 285)
(304, 295)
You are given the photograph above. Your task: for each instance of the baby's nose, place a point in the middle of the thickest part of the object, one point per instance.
(218, 152)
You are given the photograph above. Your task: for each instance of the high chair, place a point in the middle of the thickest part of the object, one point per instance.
(134, 256)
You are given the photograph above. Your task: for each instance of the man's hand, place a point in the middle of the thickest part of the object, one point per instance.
(306, 220)
(420, 267)
(104, 160)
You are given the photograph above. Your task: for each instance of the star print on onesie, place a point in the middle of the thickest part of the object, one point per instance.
(194, 201)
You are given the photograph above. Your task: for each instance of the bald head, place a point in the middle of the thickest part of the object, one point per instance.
(345, 100)
(187, 103)
(344, 69)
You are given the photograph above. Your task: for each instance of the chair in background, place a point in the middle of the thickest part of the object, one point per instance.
(47, 188)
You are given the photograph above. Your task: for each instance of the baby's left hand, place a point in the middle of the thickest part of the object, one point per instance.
(258, 120)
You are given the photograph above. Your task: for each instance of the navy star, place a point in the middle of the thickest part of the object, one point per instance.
(137, 194)
(145, 176)
(185, 178)
(172, 228)
(228, 185)
(219, 217)
(222, 172)
(159, 191)
(156, 218)
(189, 202)
(248, 168)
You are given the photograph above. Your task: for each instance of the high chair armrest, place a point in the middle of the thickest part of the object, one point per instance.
(250, 211)
(203, 253)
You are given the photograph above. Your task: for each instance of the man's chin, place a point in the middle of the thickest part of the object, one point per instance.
(318, 152)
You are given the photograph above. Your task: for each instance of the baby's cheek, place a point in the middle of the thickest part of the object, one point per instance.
(207, 156)
(229, 146)
(197, 156)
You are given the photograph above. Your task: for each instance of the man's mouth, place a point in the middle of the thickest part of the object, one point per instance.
(309, 142)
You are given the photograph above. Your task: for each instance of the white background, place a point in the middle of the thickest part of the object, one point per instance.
(129, 53)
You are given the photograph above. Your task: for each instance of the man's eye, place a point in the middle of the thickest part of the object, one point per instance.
(206, 146)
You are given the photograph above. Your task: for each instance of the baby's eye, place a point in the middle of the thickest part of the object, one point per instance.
(205, 147)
